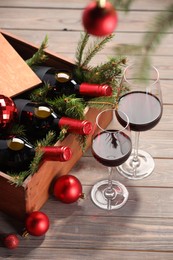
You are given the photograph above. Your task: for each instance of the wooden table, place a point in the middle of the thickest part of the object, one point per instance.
(143, 228)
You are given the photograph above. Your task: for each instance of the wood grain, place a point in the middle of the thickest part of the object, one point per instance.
(16, 76)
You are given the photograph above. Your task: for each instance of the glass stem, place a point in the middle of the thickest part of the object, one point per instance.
(110, 178)
(135, 161)
(136, 147)
(109, 192)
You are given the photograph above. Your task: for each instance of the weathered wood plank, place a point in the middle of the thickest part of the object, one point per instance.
(143, 202)
(138, 4)
(58, 41)
(68, 20)
(95, 231)
(89, 171)
(158, 143)
(78, 254)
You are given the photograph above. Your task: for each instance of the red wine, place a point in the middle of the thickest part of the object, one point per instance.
(111, 149)
(143, 109)
(63, 82)
(16, 154)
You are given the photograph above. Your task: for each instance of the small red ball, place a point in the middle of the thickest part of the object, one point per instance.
(11, 241)
(67, 189)
(99, 21)
(37, 223)
(8, 112)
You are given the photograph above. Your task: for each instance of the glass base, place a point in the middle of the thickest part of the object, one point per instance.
(137, 170)
(116, 199)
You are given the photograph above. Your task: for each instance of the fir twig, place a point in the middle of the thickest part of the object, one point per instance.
(101, 103)
(63, 133)
(82, 139)
(93, 48)
(157, 27)
(71, 106)
(39, 56)
(48, 140)
(40, 94)
(80, 48)
(18, 130)
(18, 179)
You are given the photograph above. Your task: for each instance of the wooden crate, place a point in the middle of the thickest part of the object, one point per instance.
(18, 201)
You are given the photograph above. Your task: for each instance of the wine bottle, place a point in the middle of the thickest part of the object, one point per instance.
(62, 82)
(39, 118)
(16, 153)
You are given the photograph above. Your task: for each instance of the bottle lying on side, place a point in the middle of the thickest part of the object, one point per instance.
(63, 82)
(40, 118)
(16, 154)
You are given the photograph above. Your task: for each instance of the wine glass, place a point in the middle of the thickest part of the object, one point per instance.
(143, 106)
(111, 146)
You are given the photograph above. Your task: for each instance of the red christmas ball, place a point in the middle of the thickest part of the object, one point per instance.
(8, 111)
(11, 241)
(37, 223)
(67, 189)
(98, 20)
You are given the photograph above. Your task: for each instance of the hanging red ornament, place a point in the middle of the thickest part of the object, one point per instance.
(68, 189)
(99, 18)
(8, 112)
(11, 241)
(37, 223)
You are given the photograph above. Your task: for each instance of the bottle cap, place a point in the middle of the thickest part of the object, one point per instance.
(66, 153)
(82, 127)
(57, 153)
(87, 127)
(95, 90)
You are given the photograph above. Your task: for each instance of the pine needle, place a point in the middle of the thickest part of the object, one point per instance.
(70, 106)
(40, 94)
(39, 56)
(80, 48)
(83, 58)
(18, 130)
(158, 26)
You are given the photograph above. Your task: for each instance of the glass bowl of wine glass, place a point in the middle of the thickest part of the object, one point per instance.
(111, 146)
(143, 105)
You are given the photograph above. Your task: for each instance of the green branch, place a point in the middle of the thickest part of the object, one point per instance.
(39, 56)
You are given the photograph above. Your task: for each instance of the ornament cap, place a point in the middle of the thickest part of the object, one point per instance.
(83, 196)
(101, 3)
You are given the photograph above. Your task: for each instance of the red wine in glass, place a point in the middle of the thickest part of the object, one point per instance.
(111, 146)
(143, 106)
(144, 110)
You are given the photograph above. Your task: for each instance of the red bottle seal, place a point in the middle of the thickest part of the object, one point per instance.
(95, 90)
(82, 127)
(56, 153)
